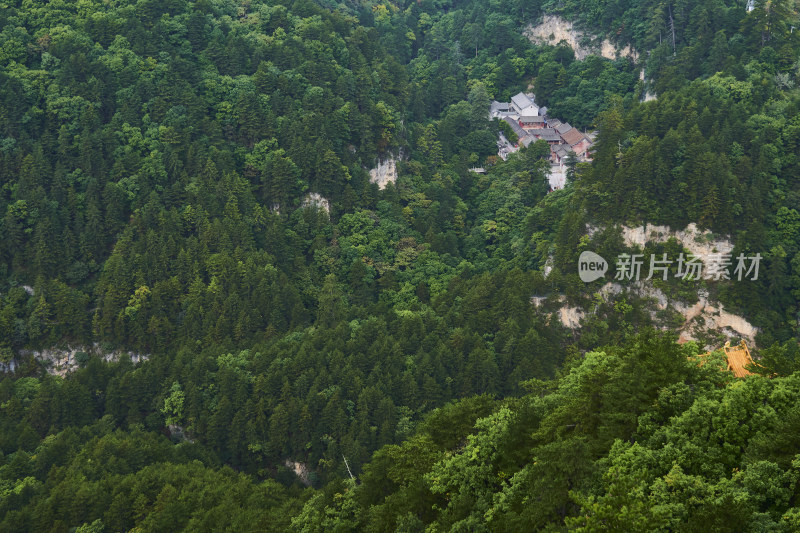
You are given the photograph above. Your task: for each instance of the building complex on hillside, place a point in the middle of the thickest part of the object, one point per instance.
(530, 123)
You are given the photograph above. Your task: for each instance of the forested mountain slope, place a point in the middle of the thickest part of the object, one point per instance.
(160, 170)
(633, 438)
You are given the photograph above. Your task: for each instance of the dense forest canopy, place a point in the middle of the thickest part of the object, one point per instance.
(188, 183)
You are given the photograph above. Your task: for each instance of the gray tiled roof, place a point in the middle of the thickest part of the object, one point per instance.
(515, 126)
(521, 100)
(561, 150)
(563, 128)
(548, 134)
(499, 106)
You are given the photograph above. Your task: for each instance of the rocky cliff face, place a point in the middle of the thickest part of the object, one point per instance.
(300, 470)
(61, 361)
(704, 319)
(385, 172)
(692, 238)
(315, 199)
(553, 29)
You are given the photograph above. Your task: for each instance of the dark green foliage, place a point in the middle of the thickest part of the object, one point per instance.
(189, 181)
(640, 426)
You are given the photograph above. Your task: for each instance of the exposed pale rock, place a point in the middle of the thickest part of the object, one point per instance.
(696, 241)
(571, 316)
(554, 29)
(315, 199)
(62, 361)
(384, 173)
(300, 470)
